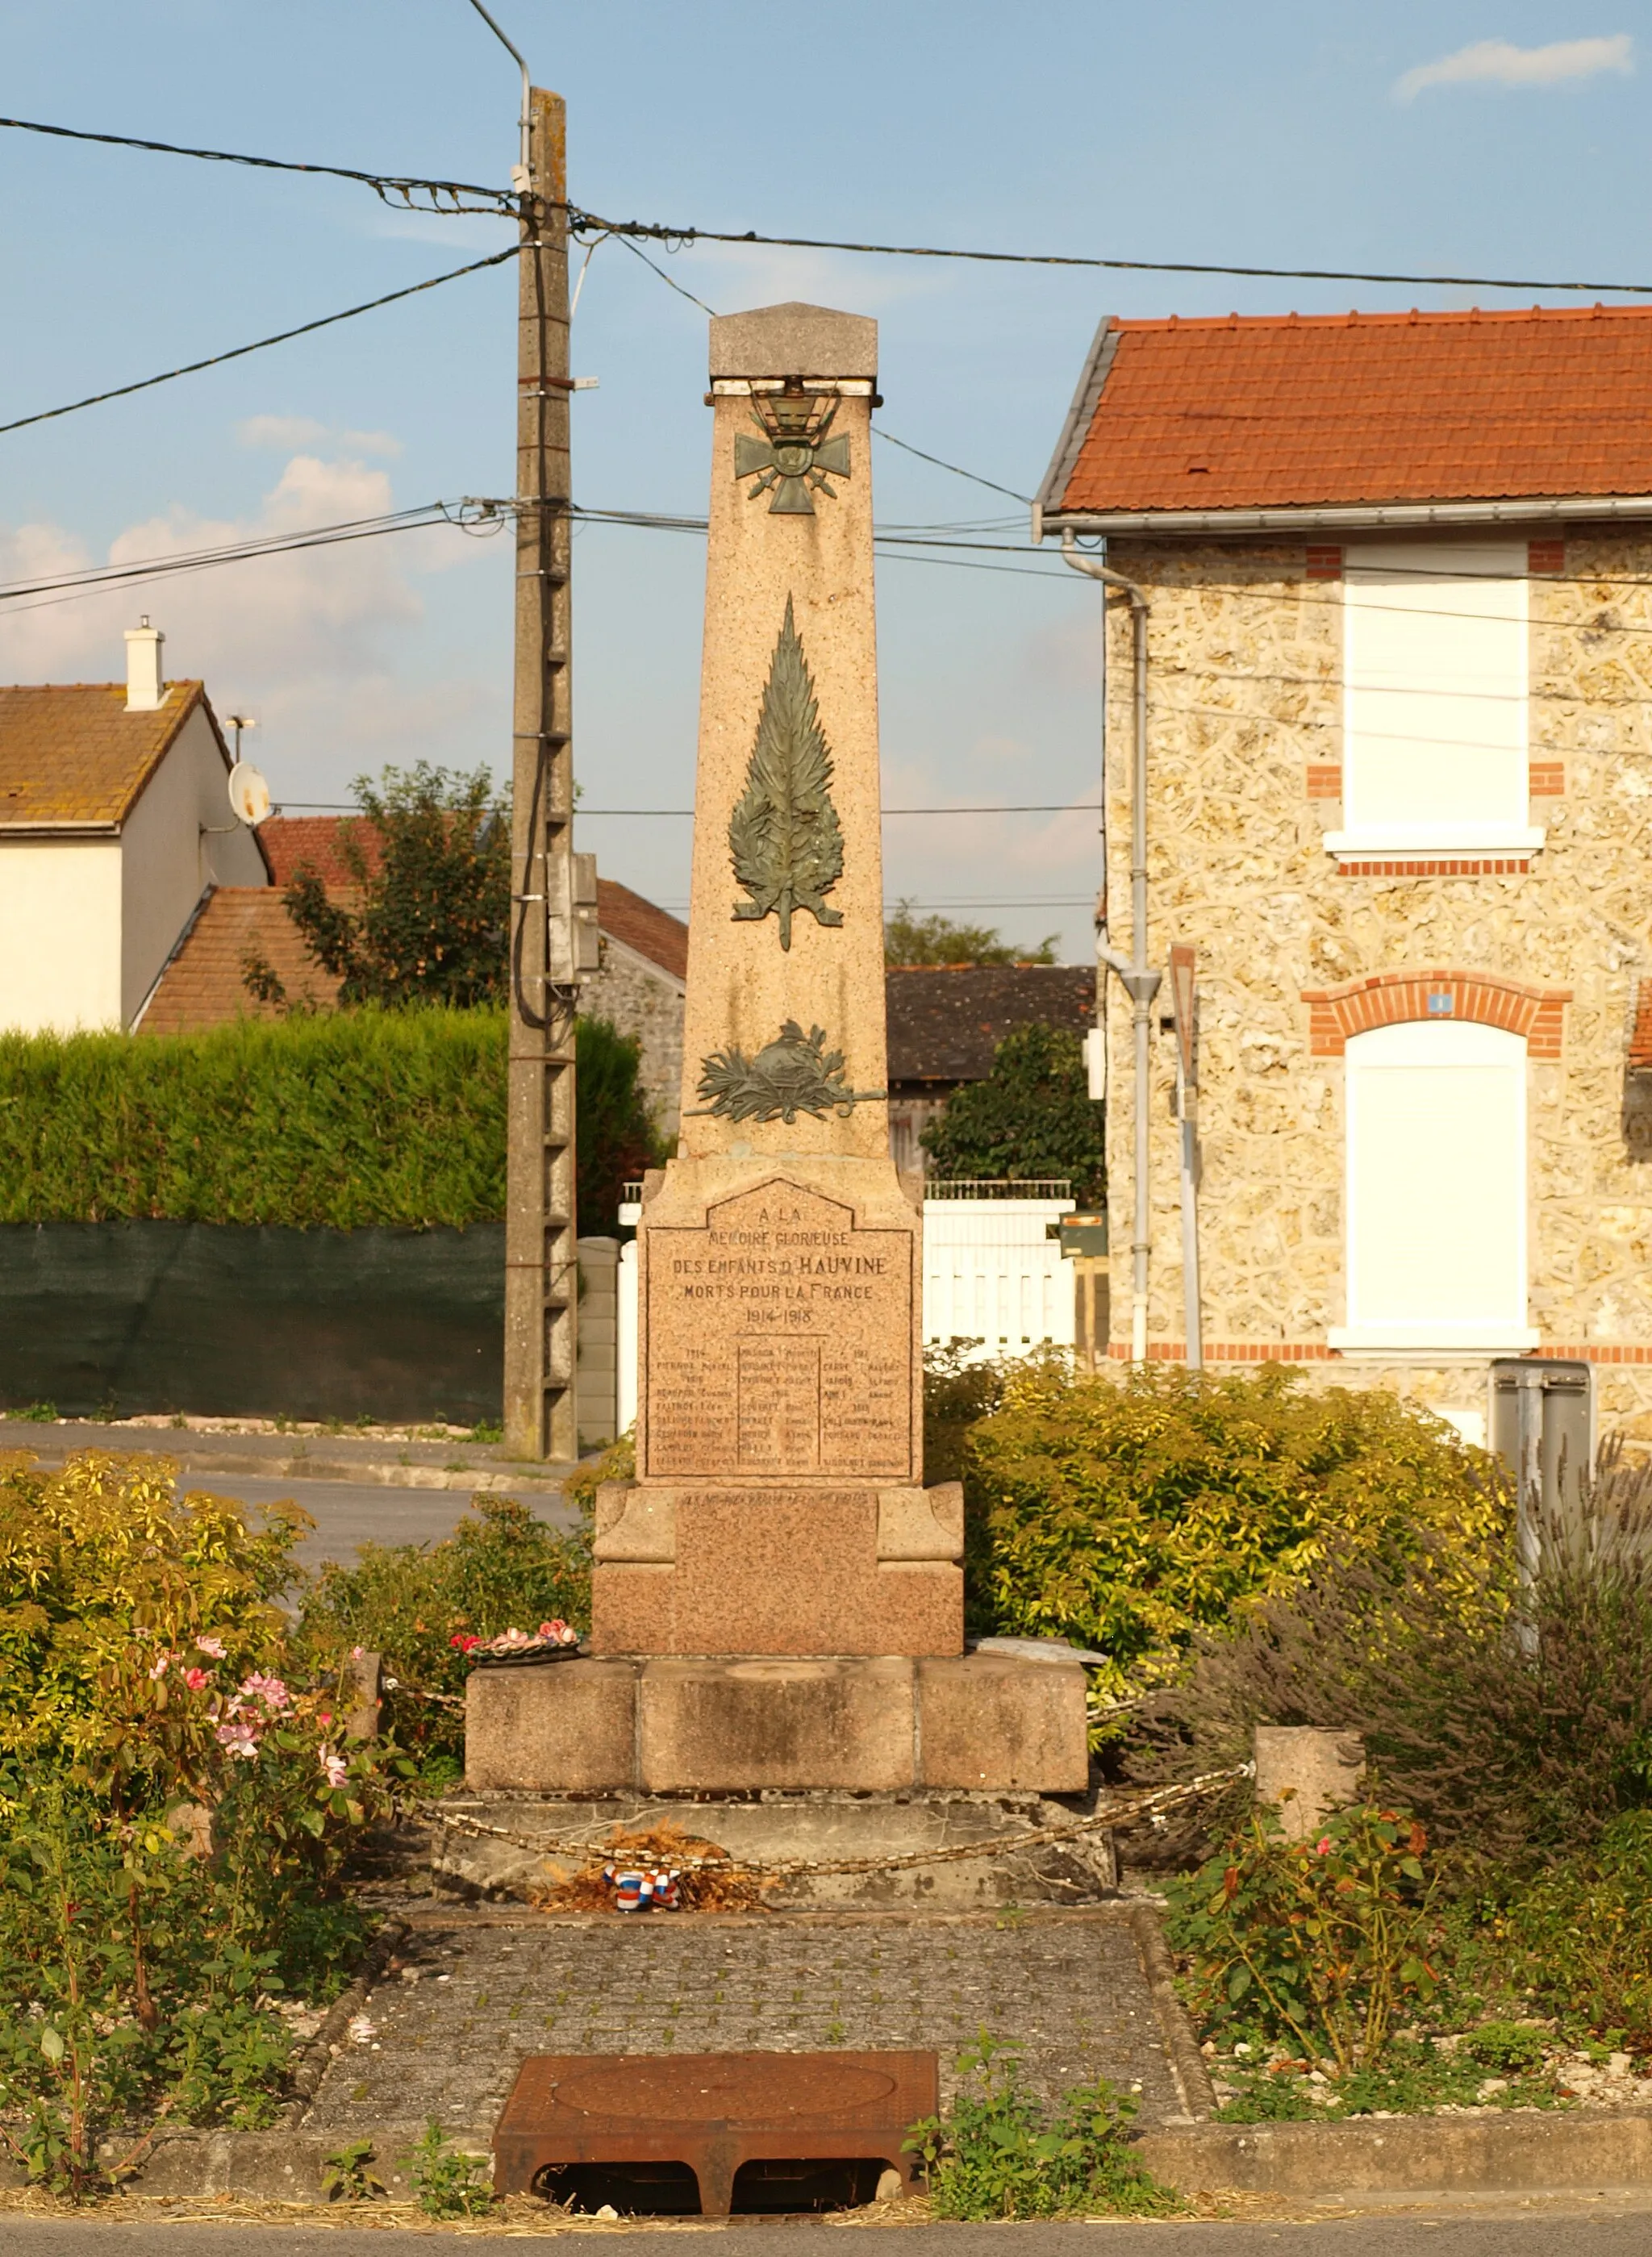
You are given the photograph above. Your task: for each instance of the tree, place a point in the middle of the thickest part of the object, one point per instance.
(909, 939)
(614, 1137)
(1033, 1115)
(430, 859)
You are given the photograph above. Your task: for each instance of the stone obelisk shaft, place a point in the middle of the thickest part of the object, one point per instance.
(801, 544)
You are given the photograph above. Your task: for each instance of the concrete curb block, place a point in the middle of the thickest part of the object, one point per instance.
(312, 2062)
(1523, 2151)
(272, 2166)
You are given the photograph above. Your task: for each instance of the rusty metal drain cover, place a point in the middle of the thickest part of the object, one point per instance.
(712, 2111)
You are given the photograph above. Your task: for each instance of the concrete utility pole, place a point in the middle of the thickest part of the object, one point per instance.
(554, 936)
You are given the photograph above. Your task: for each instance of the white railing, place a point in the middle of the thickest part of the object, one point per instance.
(992, 1272)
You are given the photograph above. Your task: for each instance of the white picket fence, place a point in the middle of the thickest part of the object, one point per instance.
(992, 1273)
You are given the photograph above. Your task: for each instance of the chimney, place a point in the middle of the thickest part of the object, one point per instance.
(145, 691)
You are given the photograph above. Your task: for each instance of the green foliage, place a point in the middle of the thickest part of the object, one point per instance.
(614, 1137)
(339, 1120)
(446, 2181)
(909, 939)
(1574, 1941)
(1000, 2153)
(347, 2177)
(430, 859)
(1032, 1116)
(501, 1569)
(1129, 1515)
(1516, 1721)
(958, 1394)
(151, 1693)
(1316, 1944)
(345, 1121)
(1509, 2048)
(1412, 2073)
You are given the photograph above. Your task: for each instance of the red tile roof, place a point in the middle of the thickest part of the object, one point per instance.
(653, 933)
(292, 840)
(203, 985)
(71, 754)
(1251, 413)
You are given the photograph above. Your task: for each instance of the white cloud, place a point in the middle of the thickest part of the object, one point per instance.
(1496, 62)
(324, 646)
(279, 432)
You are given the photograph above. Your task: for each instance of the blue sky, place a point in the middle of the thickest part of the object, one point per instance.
(1506, 139)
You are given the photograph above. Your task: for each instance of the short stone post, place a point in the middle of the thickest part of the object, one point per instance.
(1305, 1774)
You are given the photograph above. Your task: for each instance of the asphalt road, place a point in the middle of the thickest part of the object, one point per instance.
(1603, 2230)
(348, 1514)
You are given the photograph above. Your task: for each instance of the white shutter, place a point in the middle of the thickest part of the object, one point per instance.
(1435, 1189)
(1435, 672)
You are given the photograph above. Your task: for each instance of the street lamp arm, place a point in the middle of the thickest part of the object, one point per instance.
(527, 104)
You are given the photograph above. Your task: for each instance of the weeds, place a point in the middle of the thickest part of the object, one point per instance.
(1000, 2153)
(347, 2177)
(446, 2181)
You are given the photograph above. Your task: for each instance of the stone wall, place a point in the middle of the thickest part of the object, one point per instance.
(644, 999)
(1244, 730)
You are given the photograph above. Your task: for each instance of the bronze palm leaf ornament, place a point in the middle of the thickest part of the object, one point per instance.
(785, 841)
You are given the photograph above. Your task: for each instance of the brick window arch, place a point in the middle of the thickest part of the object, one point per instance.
(1483, 998)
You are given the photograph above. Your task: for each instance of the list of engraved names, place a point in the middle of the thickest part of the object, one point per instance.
(778, 1340)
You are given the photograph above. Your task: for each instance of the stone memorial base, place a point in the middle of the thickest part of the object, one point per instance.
(680, 1725)
(728, 1570)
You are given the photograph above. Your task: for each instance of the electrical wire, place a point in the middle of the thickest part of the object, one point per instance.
(974, 476)
(260, 345)
(506, 204)
(679, 237)
(401, 184)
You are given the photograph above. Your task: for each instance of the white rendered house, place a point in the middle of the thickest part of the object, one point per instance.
(115, 827)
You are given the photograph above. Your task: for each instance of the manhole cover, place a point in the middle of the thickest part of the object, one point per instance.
(714, 2113)
(740, 2087)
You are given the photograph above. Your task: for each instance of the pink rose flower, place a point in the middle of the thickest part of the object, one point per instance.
(163, 1662)
(270, 1690)
(195, 1679)
(335, 1767)
(1321, 1848)
(212, 1645)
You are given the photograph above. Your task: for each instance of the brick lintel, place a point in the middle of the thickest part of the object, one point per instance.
(1335, 1014)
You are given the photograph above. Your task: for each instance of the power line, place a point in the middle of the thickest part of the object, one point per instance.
(63, 587)
(580, 223)
(404, 185)
(679, 237)
(907, 447)
(238, 352)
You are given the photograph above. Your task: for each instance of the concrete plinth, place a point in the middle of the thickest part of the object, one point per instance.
(876, 1833)
(677, 1725)
(806, 1572)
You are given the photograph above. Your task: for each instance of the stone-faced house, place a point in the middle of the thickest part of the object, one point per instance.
(1398, 573)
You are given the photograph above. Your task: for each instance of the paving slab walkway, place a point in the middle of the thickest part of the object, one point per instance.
(473, 1994)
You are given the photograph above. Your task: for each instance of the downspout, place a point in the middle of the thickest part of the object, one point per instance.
(1140, 982)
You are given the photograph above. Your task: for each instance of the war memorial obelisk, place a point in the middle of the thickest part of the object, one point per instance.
(777, 1600)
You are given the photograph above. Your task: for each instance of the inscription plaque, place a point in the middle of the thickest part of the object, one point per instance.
(779, 1342)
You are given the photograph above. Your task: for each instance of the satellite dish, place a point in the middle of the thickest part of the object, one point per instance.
(249, 794)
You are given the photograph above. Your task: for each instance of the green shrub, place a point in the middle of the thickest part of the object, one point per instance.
(414, 1604)
(1574, 1941)
(150, 1692)
(1317, 1944)
(1032, 1115)
(1516, 1721)
(1129, 1515)
(1000, 2153)
(340, 1120)
(958, 1392)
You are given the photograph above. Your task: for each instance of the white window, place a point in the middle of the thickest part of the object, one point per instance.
(1435, 678)
(1435, 1189)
